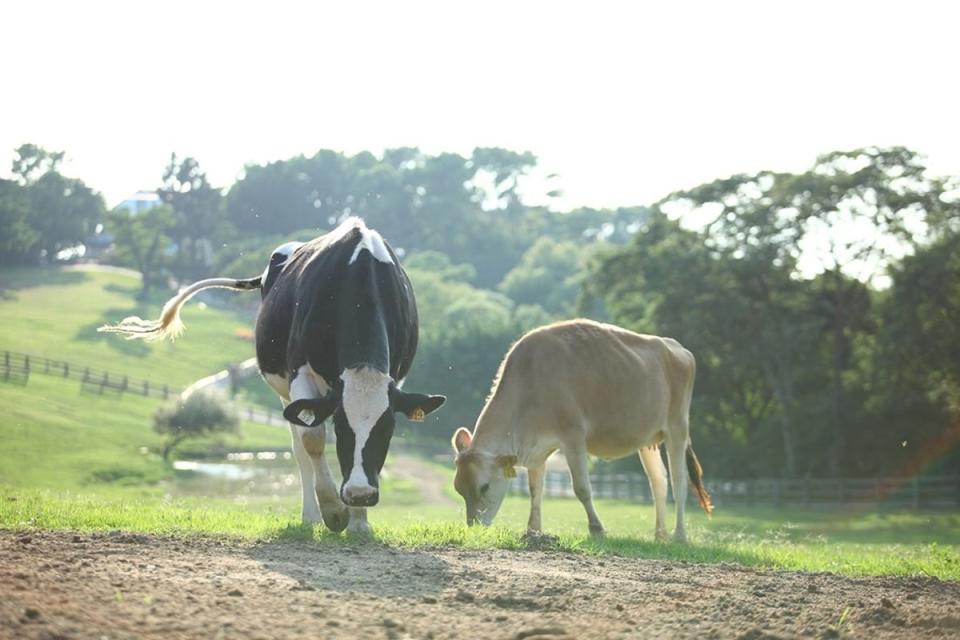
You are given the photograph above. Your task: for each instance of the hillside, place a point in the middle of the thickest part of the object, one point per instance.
(57, 435)
(55, 313)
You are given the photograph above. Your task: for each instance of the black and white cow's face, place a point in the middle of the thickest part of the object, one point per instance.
(364, 425)
(363, 408)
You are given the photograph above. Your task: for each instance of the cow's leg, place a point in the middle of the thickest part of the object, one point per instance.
(657, 475)
(580, 475)
(535, 480)
(676, 454)
(318, 484)
(358, 522)
(335, 514)
(309, 510)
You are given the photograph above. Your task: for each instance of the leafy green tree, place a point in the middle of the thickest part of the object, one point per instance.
(19, 239)
(62, 211)
(549, 274)
(741, 323)
(198, 416)
(197, 216)
(33, 161)
(141, 241)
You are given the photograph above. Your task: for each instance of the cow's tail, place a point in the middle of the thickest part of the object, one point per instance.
(169, 323)
(696, 479)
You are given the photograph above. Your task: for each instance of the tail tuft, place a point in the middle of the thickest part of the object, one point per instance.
(696, 479)
(169, 324)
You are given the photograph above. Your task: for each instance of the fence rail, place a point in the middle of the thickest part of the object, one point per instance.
(817, 493)
(17, 367)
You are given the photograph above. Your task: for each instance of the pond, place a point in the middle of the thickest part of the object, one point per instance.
(241, 476)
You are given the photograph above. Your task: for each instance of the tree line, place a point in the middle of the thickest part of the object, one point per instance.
(822, 306)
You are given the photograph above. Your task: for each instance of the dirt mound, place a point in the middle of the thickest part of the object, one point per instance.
(65, 585)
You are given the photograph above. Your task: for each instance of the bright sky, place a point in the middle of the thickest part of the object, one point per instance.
(625, 101)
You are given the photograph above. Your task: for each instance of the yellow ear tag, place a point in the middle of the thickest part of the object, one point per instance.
(510, 472)
(417, 415)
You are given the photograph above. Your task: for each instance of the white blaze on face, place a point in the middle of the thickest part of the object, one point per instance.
(365, 398)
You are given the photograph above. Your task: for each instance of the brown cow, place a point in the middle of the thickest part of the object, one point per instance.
(582, 387)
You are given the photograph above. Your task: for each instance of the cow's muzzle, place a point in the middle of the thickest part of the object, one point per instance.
(360, 496)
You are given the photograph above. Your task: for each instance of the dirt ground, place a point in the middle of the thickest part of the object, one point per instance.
(121, 585)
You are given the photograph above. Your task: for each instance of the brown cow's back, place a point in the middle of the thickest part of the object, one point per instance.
(611, 387)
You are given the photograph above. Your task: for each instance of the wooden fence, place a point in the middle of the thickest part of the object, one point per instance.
(18, 367)
(937, 492)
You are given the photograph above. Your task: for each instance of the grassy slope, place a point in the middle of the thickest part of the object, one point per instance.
(55, 313)
(54, 435)
(73, 460)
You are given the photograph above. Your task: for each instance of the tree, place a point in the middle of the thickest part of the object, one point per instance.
(18, 240)
(198, 416)
(742, 323)
(61, 211)
(141, 241)
(197, 216)
(32, 161)
(548, 274)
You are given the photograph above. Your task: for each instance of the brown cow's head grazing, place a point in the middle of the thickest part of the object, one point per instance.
(481, 478)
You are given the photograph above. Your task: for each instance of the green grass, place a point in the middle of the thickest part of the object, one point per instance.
(56, 436)
(55, 314)
(838, 543)
(80, 461)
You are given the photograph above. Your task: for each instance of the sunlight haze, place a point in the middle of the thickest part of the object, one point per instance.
(624, 103)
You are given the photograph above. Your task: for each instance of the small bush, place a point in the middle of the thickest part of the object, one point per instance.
(197, 416)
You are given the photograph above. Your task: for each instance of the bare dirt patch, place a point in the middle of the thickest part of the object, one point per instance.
(121, 585)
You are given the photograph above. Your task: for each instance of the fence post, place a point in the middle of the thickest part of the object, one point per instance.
(146, 389)
(66, 370)
(166, 392)
(26, 364)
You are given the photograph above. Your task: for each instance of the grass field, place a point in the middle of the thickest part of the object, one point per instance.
(55, 313)
(75, 460)
(55, 435)
(876, 544)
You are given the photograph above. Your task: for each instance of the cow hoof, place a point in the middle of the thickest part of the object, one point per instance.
(361, 529)
(597, 531)
(338, 521)
(680, 537)
(661, 536)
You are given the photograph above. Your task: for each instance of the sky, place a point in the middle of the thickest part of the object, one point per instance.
(626, 102)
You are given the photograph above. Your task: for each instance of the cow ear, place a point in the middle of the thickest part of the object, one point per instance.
(321, 408)
(415, 406)
(461, 440)
(507, 464)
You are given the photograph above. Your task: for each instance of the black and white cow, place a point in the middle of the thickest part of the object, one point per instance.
(336, 335)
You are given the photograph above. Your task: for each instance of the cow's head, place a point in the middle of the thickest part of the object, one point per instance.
(482, 478)
(363, 407)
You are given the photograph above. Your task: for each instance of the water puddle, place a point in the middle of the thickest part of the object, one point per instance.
(241, 476)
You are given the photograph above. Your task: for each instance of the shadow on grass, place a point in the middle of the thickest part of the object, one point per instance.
(12, 280)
